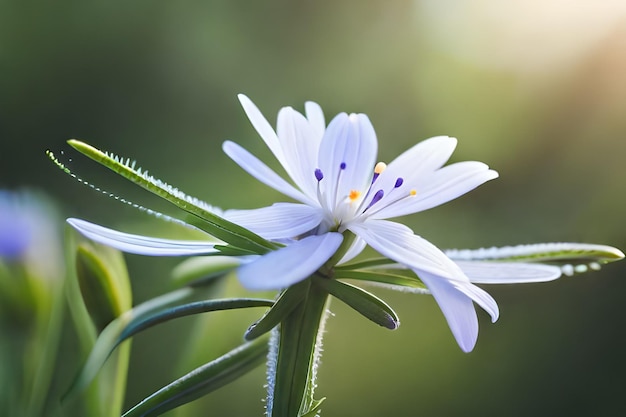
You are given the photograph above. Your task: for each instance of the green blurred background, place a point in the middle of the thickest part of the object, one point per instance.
(537, 89)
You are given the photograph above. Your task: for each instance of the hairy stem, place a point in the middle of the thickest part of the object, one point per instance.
(296, 356)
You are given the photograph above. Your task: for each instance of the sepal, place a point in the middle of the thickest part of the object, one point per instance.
(285, 304)
(363, 302)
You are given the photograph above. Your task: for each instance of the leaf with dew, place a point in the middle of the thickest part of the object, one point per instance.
(201, 214)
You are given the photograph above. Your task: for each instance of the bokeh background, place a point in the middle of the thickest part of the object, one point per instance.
(535, 88)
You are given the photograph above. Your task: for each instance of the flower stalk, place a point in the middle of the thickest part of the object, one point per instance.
(296, 356)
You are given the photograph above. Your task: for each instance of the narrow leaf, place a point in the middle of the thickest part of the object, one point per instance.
(184, 310)
(106, 340)
(367, 263)
(204, 218)
(203, 380)
(284, 305)
(362, 301)
(542, 252)
(146, 315)
(392, 277)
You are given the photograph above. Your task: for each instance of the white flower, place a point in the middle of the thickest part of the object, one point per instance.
(340, 188)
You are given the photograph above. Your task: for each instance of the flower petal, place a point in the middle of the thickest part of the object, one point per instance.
(262, 126)
(399, 243)
(279, 221)
(480, 297)
(508, 272)
(315, 115)
(356, 248)
(349, 142)
(141, 245)
(440, 187)
(457, 309)
(291, 264)
(300, 145)
(253, 166)
(418, 162)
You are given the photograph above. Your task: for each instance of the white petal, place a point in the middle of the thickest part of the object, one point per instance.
(291, 264)
(262, 126)
(279, 221)
(417, 162)
(253, 166)
(356, 248)
(348, 140)
(508, 272)
(428, 155)
(480, 297)
(457, 309)
(300, 147)
(316, 118)
(399, 243)
(141, 245)
(440, 187)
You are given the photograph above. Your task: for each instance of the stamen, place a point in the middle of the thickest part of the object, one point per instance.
(354, 194)
(399, 182)
(342, 166)
(380, 167)
(319, 175)
(412, 193)
(377, 197)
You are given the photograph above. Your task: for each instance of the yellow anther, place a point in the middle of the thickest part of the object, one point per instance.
(354, 194)
(380, 167)
(412, 193)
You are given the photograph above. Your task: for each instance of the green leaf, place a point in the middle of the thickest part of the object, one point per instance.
(285, 304)
(98, 290)
(105, 289)
(201, 215)
(148, 314)
(542, 252)
(365, 264)
(395, 277)
(362, 301)
(184, 310)
(101, 346)
(203, 380)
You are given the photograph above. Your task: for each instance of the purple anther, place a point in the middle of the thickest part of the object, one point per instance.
(376, 174)
(318, 174)
(379, 194)
(342, 165)
(399, 182)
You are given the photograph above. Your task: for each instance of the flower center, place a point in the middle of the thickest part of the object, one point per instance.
(344, 207)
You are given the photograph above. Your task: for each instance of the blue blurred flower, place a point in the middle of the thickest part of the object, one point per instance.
(16, 225)
(29, 233)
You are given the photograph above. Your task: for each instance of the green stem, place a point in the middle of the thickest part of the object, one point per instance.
(296, 355)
